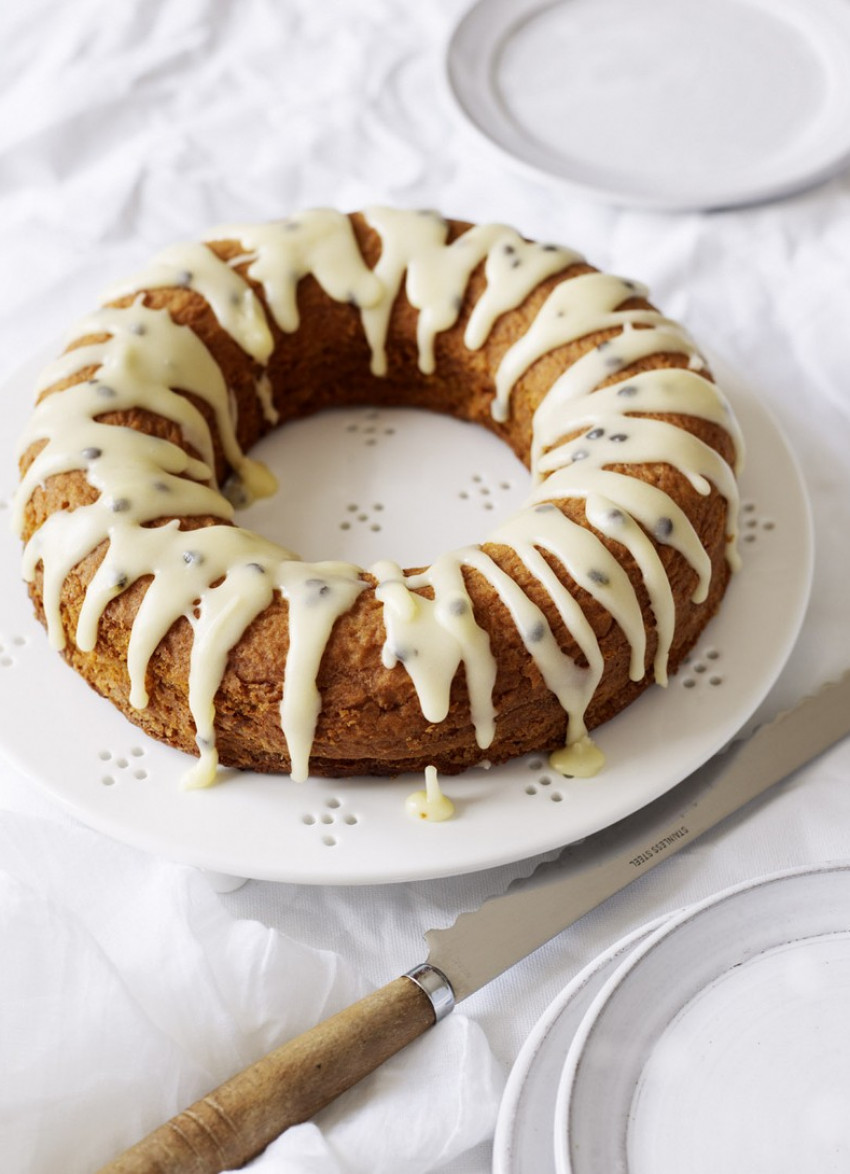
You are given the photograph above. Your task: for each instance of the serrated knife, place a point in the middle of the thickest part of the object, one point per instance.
(237, 1121)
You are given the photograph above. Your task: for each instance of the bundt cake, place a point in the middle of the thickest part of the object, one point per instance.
(219, 642)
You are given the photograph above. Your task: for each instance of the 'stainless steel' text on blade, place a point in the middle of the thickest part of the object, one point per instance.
(482, 944)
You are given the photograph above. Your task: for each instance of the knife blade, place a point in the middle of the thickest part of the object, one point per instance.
(477, 948)
(235, 1122)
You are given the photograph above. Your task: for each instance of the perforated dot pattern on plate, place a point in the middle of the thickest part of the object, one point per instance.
(330, 820)
(485, 492)
(544, 784)
(10, 649)
(752, 524)
(122, 766)
(365, 516)
(364, 485)
(372, 430)
(702, 668)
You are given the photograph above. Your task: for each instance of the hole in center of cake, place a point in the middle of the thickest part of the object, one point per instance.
(361, 484)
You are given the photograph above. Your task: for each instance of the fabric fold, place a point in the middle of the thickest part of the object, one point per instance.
(127, 991)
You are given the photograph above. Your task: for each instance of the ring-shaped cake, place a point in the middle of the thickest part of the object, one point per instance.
(219, 642)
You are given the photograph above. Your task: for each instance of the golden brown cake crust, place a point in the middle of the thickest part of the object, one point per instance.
(371, 721)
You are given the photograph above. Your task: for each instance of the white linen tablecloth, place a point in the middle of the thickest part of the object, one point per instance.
(128, 987)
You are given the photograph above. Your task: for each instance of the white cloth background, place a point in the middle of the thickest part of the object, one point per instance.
(126, 986)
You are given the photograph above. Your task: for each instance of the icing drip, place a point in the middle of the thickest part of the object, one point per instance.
(265, 395)
(195, 267)
(321, 243)
(219, 578)
(432, 638)
(581, 759)
(575, 308)
(438, 274)
(144, 356)
(318, 594)
(430, 804)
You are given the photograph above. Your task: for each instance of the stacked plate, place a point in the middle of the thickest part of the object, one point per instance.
(715, 1039)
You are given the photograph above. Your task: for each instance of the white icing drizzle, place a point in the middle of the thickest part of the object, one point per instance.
(437, 276)
(219, 578)
(587, 561)
(431, 638)
(319, 242)
(234, 303)
(598, 365)
(318, 594)
(144, 356)
(575, 308)
(514, 268)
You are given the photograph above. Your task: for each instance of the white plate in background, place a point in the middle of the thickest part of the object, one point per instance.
(664, 104)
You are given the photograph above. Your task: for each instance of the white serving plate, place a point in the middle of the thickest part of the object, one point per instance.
(722, 1041)
(665, 104)
(406, 485)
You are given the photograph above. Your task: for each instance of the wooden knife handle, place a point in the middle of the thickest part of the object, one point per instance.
(235, 1122)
